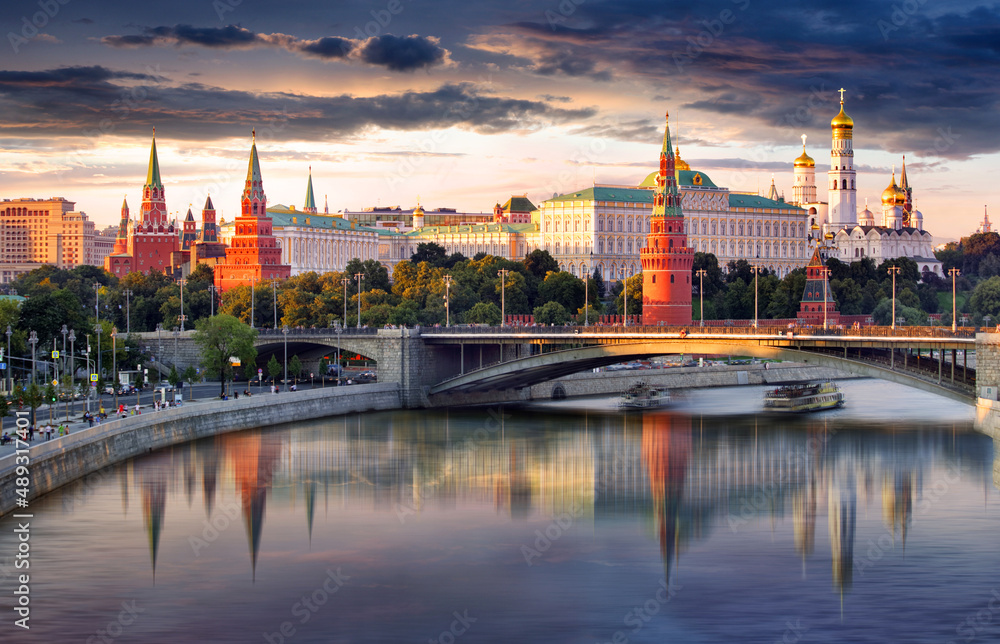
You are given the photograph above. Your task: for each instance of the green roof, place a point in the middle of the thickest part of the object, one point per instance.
(153, 174)
(471, 228)
(737, 200)
(518, 204)
(282, 216)
(607, 193)
(684, 178)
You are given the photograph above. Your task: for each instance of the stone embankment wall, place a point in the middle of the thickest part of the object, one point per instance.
(58, 462)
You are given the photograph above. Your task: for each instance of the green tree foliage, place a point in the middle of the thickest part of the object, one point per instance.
(563, 288)
(295, 367)
(540, 263)
(190, 376)
(598, 284)
(375, 276)
(274, 369)
(634, 286)
(483, 313)
(173, 377)
(985, 298)
(551, 313)
(430, 252)
(787, 296)
(220, 338)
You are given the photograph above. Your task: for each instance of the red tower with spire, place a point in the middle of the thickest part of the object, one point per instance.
(666, 259)
(119, 262)
(254, 254)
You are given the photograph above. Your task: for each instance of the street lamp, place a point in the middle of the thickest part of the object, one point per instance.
(502, 273)
(10, 362)
(182, 316)
(97, 332)
(625, 297)
(114, 362)
(253, 279)
(128, 310)
(755, 269)
(345, 281)
(33, 340)
(954, 323)
(284, 332)
(358, 277)
(274, 289)
(893, 270)
(211, 291)
(701, 272)
(825, 274)
(338, 329)
(177, 335)
(447, 300)
(62, 381)
(586, 296)
(72, 361)
(159, 344)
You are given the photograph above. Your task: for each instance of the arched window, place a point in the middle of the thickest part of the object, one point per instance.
(845, 184)
(767, 229)
(741, 233)
(784, 230)
(713, 228)
(704, 227)
(732, 229)
(671, 278)
(758, 229)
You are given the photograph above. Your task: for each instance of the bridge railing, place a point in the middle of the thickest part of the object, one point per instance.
(300, 331)
(797, 330)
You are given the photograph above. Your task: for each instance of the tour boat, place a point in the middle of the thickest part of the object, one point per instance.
(642, 396)
(811, 396)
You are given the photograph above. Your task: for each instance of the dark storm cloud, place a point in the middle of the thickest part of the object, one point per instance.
(86, 100)
(401, 54)
(396, 53)
(917, 80)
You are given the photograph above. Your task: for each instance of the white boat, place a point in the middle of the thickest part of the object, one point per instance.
(642, 396)
(811, 396)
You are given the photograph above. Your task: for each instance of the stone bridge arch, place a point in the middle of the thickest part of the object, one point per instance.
(549, 366)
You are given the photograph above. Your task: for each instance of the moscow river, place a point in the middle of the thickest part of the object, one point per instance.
(565, 521)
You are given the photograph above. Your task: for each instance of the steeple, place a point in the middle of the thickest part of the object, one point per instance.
(254, 201)
(773, 194)
(667, 200)
(123, 224)
(310, 206)
(326, 205)
(903, 183)
(153, 173)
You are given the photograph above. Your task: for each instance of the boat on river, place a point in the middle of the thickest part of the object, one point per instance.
(642, 396)
(804, 397)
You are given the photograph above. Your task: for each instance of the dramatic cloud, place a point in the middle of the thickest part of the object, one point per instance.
(87, 100)
(396, 53)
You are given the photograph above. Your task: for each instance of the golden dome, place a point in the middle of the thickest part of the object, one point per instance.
(893, 195)
(679, 163)
(842, 120)
(805, 161)
(418, 210)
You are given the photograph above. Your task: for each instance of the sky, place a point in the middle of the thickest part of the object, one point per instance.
(463, 104)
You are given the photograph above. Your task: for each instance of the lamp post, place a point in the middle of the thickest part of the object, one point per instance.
(72, 361)
(182, 317)
(97, 332)
(114, 362)
(502, 273)
(10, 362)
(586, 296)
(253, 279)
(177, 335)
(625, 297)
(159, 344)
(358, 277)
(338, 329)
(345, 281)
(62, 381)
(33, 340)
(825, 274)
(284, 332)
(211, 299)
(755, 269)
(893, 270)
(274, 290)
(701, 272)
(954, 323)
(447, 301)
(128, 309)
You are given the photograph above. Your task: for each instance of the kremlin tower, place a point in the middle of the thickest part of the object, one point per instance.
(843, 190)
(666, 259)
(804, 189)
(253, 254)
(207, 249)
(817, 297)
(310, 207)
(119, 262)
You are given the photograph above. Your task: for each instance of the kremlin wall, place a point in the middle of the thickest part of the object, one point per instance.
(653, 227)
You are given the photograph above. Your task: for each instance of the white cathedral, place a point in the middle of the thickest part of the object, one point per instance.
(847, 234)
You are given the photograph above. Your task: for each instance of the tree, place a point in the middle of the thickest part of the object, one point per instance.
(223, 337)
(564, 288)
(273, 369)
(586, 314)
(430, 252)
(324, 367)
(633, 289)
(33, 398)
(540, 263)
(598, 284)
(483, 313)
(5, 404)
(295, 367)
(374, 275)
(985, 298)
(551, 313)
(173, 377)
(190, 375)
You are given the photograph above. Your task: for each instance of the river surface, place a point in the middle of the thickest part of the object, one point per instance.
(565, 521)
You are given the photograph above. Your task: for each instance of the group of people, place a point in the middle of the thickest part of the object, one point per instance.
(45, 430)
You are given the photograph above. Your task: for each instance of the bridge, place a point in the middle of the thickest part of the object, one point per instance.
(436, 366)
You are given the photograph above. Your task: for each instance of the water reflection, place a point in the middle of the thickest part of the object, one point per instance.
(679, 476)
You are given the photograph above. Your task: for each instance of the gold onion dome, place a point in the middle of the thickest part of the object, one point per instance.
(418, 210)
(842, 120)
(805, 161)
(893, 195)
(679, 163)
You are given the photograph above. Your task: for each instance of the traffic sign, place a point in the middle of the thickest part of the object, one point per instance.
(55, 354)
(3, 365)
(55, 383)
(260, 371)
(93, 377)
